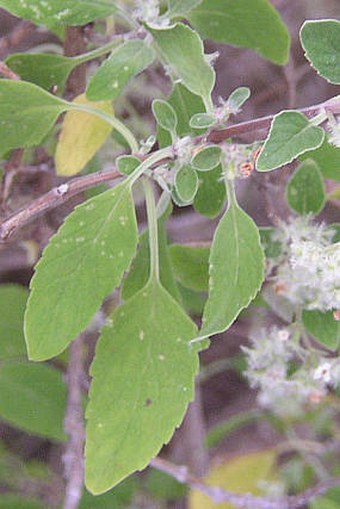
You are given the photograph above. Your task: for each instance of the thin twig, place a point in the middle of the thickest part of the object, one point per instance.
(60, 194)
(246, 500)
(73, 457)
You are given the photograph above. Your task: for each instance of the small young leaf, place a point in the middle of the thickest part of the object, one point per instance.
(143, 379)
(202, 121)
(124, 63)
(305, 190)
(60, 12)
(126, 164)
(33, 398)
(189, 64)
(186, 184)
(12, 305)
(323, 327)
(80, 266)
(255, 25)
(237, 98)
(290, 135)
(191, 265)
(46, 71)
(26, 114)
(211, 193)
(327, 157)
(236, 270)
(321, 41)
(82, 135)
(207, 159)
(165, 115)
(180, 8)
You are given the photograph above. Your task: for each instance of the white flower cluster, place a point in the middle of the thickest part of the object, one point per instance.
(309, 272)
(147, 11)
(269, 362)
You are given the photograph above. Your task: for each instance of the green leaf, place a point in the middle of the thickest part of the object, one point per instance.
(186, 184)
(180, 8)
(327, 157)
(165, 115)
(207, 159)
(329, 501)
(321, 41)
(237, 98)
(189, 64)
(164, 487)
(191, 265)
(119, 498)
(13, 502)
(26, 114)
(46, 71)
(59, 12)
(255, 25)
(305, 190)
(193, 302)
(236, 270)
(143, 379)
(272, 247)
(211, 194)
(124, 63)
(126, 164)
(33, 398)
(12, 305)
(290, 135)
(81, 265)
(202, 121)
(323, 327)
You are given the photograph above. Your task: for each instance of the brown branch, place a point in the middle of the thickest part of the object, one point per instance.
(7, 72)
(60, 194)
(73, 457)
(20, 32)
(246, 500)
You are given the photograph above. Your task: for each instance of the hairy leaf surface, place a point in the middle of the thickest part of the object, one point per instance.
(143, 379)
(80, 266)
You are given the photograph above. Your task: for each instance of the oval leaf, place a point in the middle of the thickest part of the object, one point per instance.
(202, 121)
(124, 63)
(12, 304)
(82, 135)
(165, 115)
(323, 327)
(207, 159)
(211, 194)
(255, 25)
(305, 190)
(189, 64)
(321, 41)
(143, 379)
(33, 398)
(237, 98)
(80, 266)
(26, 114)
(290, 135)
(186, 183)
(126, 164)
(236, 270)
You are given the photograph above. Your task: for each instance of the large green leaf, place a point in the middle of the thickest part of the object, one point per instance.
(323, 327)
(124, 63)
(321, 41)
(305, 190)
(83, 262)
(179, 8)
(191, 265)
(290, 135)
(251, 24)
(59, 12)
(12, 307)
(236, 270)
(143, 379)
(327, 157)
(33, 398)
(189, 64)
(211, 194)
(26, 114)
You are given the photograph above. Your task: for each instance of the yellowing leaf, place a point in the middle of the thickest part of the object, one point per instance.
(82, 134)
(239, 475)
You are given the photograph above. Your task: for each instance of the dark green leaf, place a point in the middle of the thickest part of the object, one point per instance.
(12, 308)
(236, 270)
(33, 398)
(327, 157)
(211, 194)
(193, 302)
(290, 135)
(272, 248)
(143, 379)
(305, 190)
(13, 502)
(164, 487)
(321, 41)
(119, 498)
(165, 115)
(186, 184)
(59, 12)
(323, 327)
(191, 265)
(255, 25)
(124, 63)
(126, 164)
(81, 265)
(207, 159)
